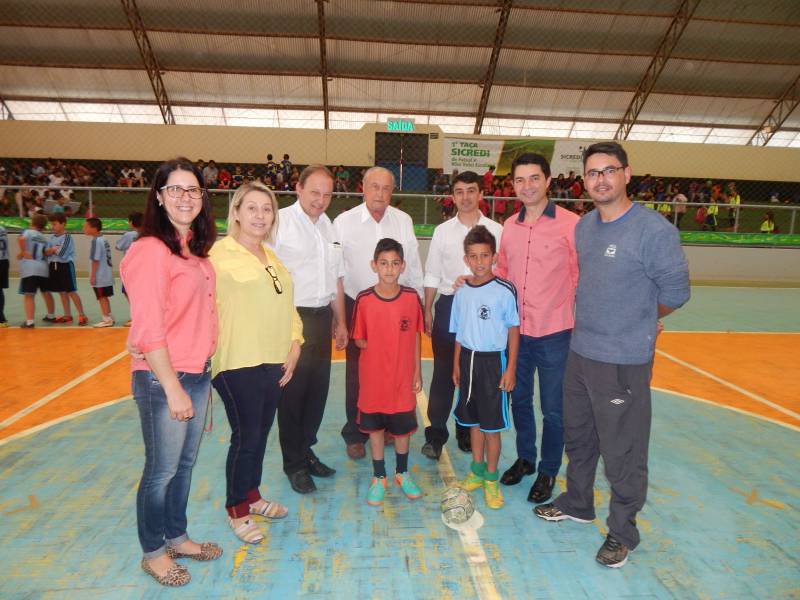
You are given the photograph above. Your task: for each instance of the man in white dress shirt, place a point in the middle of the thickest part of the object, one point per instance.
(307, 245)
(359, 230)
(445, 263)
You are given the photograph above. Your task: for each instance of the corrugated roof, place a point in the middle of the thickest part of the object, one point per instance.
(725, 79)
(243, 89)
(356, 93)
(558, 103)
(407, 61)
(746, 42)
(75, 83)
(699, 109)
(36, 45)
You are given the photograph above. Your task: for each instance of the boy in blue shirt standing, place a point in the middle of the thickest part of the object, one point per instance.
(486, 323)
(33, 270)
(135, 220)
(102, 275)
(61, 256)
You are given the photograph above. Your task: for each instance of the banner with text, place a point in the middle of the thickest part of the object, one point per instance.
(475, 154)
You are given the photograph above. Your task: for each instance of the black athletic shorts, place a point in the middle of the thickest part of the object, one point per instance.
(62, 277)
(398, 424)
(481, 402)
(33, 284)
(103, 292)
(3, 273)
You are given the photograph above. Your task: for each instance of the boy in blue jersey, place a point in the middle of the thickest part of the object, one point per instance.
(486, 323)
(33, 269)
(101, 273)
(61, 278)
(135, 220)
(3, 274)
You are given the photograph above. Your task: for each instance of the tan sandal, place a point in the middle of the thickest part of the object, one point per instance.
(247, 531)
(270, 510)
(176, 576)
(208, 551)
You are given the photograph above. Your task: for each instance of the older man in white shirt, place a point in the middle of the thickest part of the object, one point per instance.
(359, 230)
(308, 246)
(444, 265)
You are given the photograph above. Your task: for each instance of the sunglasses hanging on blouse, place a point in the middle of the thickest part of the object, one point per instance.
(275, 281)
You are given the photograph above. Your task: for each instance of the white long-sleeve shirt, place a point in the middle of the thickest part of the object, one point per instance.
(311, 252)
(359, 233)
(445, 262)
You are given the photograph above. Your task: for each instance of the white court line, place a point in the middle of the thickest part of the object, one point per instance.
(64, 388)
(479, 567)
(63, 419)
(726, 406)
(730, 385)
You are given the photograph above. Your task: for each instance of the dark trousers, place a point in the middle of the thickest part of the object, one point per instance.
(251, 398)
(440, 398)
(302, 402)
(2, 306)
(350, 432)
(607, 413)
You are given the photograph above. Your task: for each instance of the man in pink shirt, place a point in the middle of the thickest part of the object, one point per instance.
(537, 254)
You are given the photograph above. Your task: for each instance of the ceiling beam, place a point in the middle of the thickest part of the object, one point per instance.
(323, 58)
(488, 80)
(5, 112)
(149, 59)
(656, 66)
(778, 115)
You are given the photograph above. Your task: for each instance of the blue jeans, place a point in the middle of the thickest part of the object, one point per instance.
(547, 355)
(170, 451)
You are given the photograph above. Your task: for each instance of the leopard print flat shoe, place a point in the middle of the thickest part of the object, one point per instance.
(177, 575)
(208, 551)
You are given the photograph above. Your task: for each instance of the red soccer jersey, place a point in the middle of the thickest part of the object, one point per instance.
(386, 366)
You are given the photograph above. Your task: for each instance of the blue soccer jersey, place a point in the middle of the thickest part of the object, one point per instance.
(101, 252)
(482, 314)
(35, 245)
(3, 243)
(66, 252)
(126, 240)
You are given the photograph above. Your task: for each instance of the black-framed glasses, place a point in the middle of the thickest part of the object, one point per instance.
(275, 281)
(607, 172)
(176, 191)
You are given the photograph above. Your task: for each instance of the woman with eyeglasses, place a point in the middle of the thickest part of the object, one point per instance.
(170, 283)
(260, 334)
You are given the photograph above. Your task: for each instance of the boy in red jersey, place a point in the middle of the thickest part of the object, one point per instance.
(387, 321)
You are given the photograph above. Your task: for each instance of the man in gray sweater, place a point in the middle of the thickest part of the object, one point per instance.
(632, 273)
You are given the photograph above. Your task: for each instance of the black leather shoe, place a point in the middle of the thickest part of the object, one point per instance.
(542, 488)
(301, 482)
(317, 468)
(431, 450)
(517, 471)
(465, 444)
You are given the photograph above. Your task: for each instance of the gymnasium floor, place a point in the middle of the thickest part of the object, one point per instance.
(721, 519)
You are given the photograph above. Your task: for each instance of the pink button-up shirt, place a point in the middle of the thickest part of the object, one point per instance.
(540, 260)
(172, 305)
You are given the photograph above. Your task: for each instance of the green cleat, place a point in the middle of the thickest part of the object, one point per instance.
(376, 492)
(408, 485)
(471, 482)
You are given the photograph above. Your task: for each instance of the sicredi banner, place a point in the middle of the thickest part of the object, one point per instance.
(474, 154)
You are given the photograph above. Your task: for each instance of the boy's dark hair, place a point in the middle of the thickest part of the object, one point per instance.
(610, 148)
(136, 218)
(95, 223)
(57, 217)
(157, 224)
(480, 235)
(388, 245)
(531, 158)
(468, 177)
(38, 221)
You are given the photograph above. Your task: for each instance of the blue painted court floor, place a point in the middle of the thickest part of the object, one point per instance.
(721, 520)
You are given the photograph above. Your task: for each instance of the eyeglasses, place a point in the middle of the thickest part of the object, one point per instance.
(607, 172)
(275, 281)
(176, 191)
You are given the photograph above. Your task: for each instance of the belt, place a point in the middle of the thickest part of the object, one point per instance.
(307, 310)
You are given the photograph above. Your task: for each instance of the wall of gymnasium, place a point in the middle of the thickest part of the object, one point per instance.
(112, 141)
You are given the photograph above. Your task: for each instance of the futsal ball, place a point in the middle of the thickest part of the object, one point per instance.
(457, 506)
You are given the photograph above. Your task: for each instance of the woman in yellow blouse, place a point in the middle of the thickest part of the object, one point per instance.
(260, 334)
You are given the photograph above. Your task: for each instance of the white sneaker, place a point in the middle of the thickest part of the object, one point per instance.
(104, 323)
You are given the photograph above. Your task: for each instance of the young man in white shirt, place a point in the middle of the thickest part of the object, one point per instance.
(307, 245)
(445, 264)
(359, 230)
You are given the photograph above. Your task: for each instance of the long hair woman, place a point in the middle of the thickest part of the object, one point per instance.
(170, 284)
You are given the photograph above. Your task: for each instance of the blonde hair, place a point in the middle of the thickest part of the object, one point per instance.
(236, 202)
